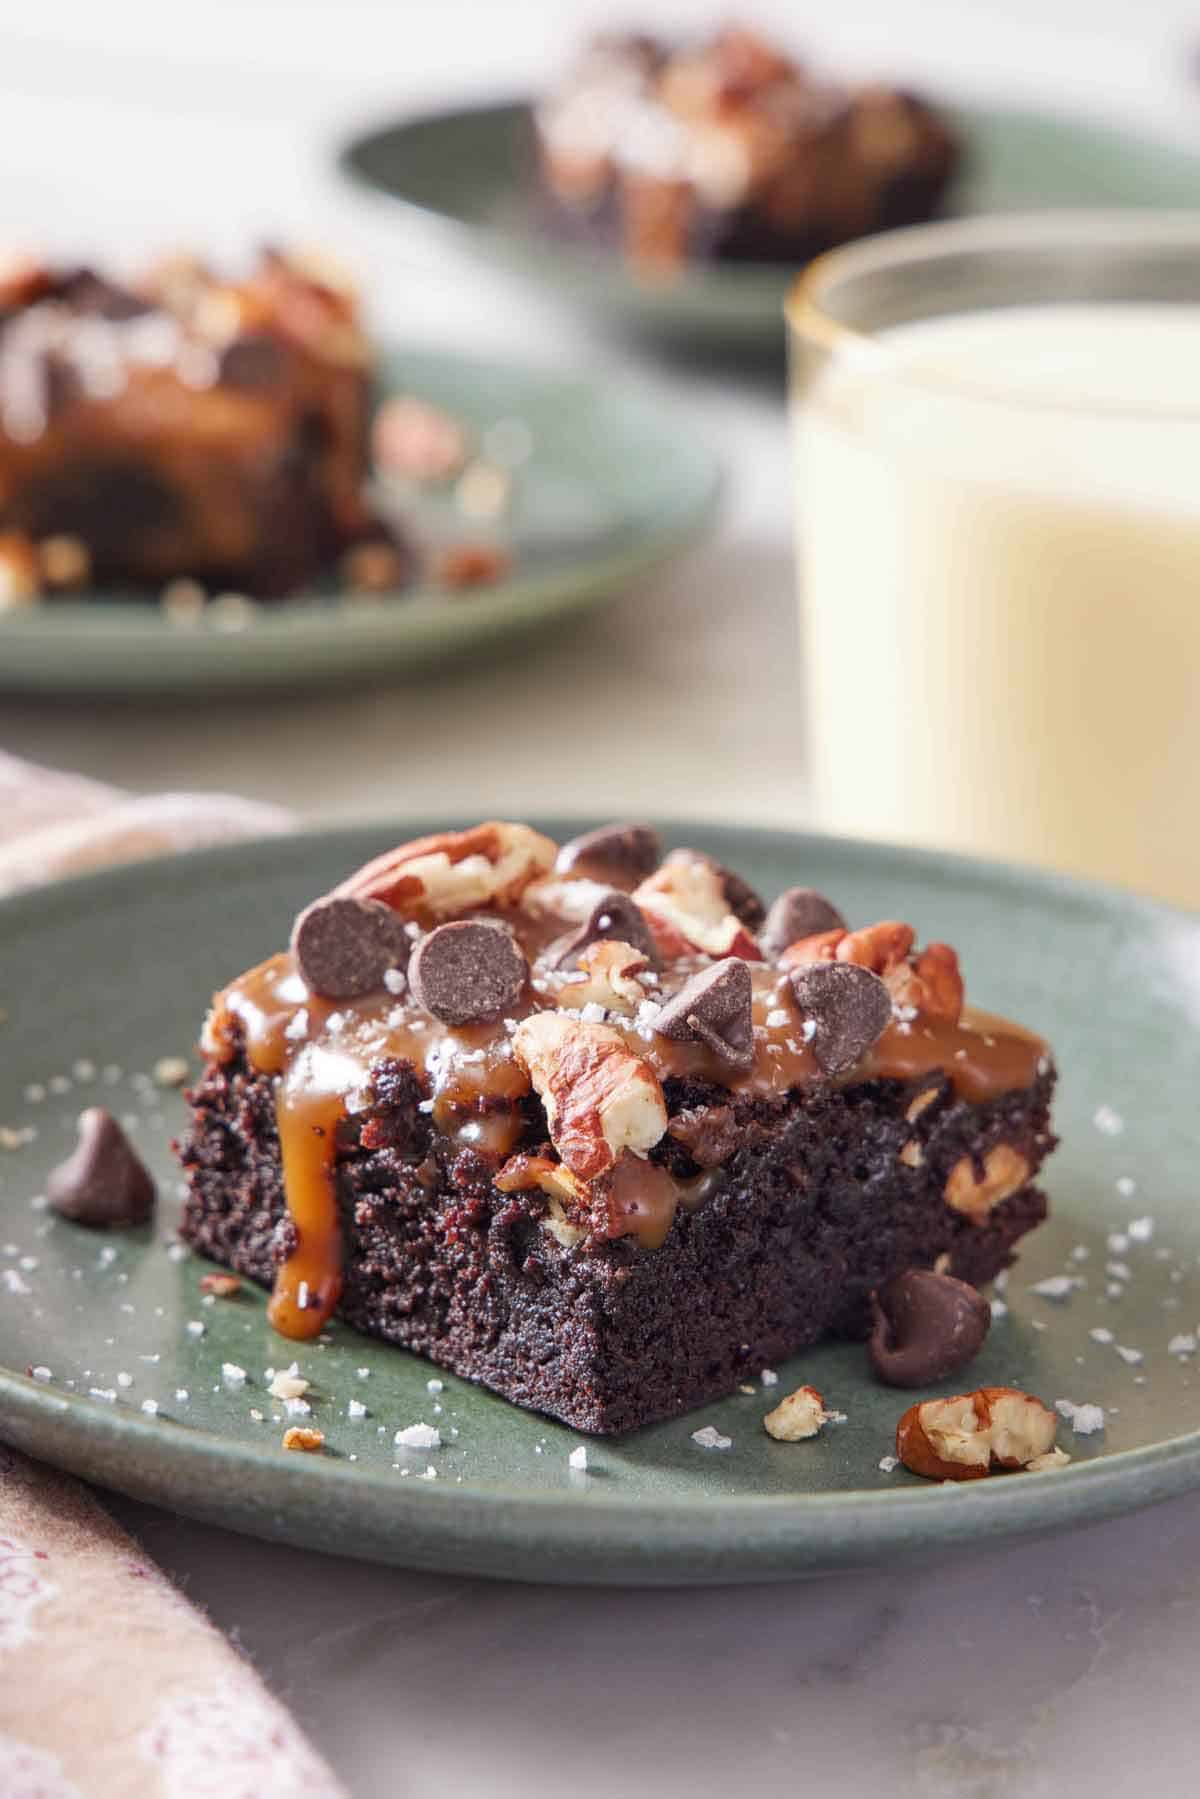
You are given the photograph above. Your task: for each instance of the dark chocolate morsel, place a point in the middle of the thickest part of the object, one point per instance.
(103, 1182)
(467, 971)
(926, 1326)
(714, 1007)
(620, 855)
(344, 947)
(740, 897)
(615, 917)
(798, 913)
(84, 291)
(848, 1008)
(254, 361)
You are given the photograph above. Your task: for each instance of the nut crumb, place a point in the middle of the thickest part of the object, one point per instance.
(299, 1436)
(221, 1286)
(800, 1415)
(170, 1071)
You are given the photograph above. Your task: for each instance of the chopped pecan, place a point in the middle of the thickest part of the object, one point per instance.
(691, 906)
(879, 947)
(611, 968)
(600, 1098)
(931, 982)
(456, 871)
(976, 1195)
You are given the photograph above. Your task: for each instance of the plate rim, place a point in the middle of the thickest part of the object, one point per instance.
(698, 1538)
(758, 279)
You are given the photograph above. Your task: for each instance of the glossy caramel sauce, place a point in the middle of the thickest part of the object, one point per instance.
(323, 1053)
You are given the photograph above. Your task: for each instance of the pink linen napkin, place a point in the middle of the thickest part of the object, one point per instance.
(114, 1686)
(54, 824)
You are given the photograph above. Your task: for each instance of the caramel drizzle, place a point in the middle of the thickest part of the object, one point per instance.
(324, 1051)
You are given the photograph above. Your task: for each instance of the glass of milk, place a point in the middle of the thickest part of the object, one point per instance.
(998, 427)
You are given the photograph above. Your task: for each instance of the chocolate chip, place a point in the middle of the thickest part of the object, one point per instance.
(714, 1007)
(103, 1182)
(614, 917)
(620, 855)
(926, 1326)
(848, 1007)
(254, 361)
(798, 913)
(467, 971)
(344, 947)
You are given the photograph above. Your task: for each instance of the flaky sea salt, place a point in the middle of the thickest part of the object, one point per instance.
(1084, 1420)
(1108, 1122)
(150, 1407)
(232, 1375)
(356, 1409)
(578, 1459)
(708, 1437)
(195, 1328)
(395, 980)
(41, 1372)
(1056, 1286)
(888, 1464)
(434, 1385)
(1183, 1344)
(418, 1436)
(769, 1378)
(1100, 1334)
(593, 1012)
(1141, 1230)
(1132, 1356)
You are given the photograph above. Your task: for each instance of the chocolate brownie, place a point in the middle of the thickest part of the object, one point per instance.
(731, 151)
(578, 1125)
(184, 425)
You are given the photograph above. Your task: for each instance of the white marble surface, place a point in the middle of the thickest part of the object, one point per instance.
(1060, 1667)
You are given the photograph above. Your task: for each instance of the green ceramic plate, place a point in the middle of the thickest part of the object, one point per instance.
(103, 976)
(610, 490)
(469, 169)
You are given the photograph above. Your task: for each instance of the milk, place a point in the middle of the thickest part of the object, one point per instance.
(1000, 565)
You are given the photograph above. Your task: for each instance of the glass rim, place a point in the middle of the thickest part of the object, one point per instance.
(1123, 230)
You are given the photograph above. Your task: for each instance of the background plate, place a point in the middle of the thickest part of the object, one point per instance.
(611, 490)
(470, 169)
(102, 976)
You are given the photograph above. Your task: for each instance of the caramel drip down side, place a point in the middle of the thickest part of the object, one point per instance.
(325, 1053)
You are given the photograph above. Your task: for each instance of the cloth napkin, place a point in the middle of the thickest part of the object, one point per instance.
(112, 1686)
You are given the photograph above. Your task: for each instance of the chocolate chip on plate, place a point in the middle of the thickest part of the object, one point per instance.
(848, 1008)
(926, 1326)
(618, 854)
(613, 917)
(468, 971)
(344, 947)
(714, 1007)
(798, 913)
(103, 1182)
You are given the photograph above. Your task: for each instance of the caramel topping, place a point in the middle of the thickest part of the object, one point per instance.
(325, 1053)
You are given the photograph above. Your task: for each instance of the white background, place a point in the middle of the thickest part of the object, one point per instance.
(1060, 1668)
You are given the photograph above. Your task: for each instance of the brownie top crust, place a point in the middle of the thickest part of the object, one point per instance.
(736, 123)
(559, 1025)
(72, 336)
